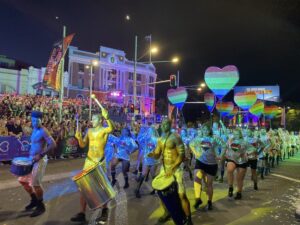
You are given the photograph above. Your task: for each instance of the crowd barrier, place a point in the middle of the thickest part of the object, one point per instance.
(11, 147)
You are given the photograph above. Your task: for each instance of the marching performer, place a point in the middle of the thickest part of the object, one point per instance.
(125, 146)
(171, 147)
(32, 183)
(96, 137)
(149, 144)
(237, 160)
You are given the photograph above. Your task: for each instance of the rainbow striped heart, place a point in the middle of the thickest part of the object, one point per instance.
(210, 101)
(177, 96)
(225, 108)
(245, 99)
(257, 109)
(221, 81)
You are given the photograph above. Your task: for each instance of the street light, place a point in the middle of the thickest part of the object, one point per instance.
(203, 85)
(93, 63)
(154, 50)
(175, 60)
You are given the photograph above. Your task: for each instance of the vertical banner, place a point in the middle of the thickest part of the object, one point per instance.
(53, 73)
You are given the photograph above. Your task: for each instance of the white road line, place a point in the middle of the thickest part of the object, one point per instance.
(285, 177)
(14, 183)
(121, 210)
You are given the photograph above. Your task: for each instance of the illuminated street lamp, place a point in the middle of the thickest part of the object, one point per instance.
(203, 85)
(175, 60)
(154, 50)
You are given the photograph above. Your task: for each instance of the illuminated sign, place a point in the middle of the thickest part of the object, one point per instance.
(267, 93)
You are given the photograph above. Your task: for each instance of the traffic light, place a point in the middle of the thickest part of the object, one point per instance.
(131, 108)
(173, 81)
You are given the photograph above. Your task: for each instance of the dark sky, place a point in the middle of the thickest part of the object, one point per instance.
(260, 37)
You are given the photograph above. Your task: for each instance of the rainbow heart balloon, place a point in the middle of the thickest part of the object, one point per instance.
(270, 111)
(177, 96)
(233, 113)
(257, 109)
(224, 107)
(210, 101)
(245, 99)
(221, 81)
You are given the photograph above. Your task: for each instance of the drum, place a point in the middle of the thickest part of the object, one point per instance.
(21, 166)
(94, 186)
(167, 191)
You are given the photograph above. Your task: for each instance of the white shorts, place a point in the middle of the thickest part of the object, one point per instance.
(37, 174)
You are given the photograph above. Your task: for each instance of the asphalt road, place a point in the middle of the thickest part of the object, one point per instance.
(274, 202)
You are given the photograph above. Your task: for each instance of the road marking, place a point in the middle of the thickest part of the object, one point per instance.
(285, 177)
(14, 183)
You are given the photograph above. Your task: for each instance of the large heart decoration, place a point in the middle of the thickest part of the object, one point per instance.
(233, 113)
(224, 107)
(221, 81)
(210, 101)
(245, 99)
(257, 109)
(177, 96)
(270, 111)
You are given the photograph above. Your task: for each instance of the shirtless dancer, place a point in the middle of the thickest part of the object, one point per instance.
(41, 144)
(96, 138)
(172, 148)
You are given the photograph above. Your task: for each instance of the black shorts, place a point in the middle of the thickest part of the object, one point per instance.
(209, 169)
(252, 164)
(243, 165)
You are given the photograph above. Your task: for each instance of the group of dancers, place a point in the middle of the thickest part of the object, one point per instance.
(204, 153)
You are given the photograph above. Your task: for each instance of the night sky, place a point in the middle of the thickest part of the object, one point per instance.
(260, 37)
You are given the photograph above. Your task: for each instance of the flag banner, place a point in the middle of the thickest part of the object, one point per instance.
(51, 77)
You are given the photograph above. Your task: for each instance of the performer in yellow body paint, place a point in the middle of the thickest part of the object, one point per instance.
(171, 148)
(96, 137)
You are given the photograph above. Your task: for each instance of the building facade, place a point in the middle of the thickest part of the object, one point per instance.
(21, 79)
(112, 79)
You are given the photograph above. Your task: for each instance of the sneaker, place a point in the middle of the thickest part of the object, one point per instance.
(79, 217)
(32, 204)
(40, 209)
(164, 218)
(230, 192)
(113, 182)
(126, 185)
(152, 192)
(197, 203)
(209, 205)
(103, 218)
(255, 187)
(238, 196)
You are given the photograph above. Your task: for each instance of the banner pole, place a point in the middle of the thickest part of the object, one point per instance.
(61, 93)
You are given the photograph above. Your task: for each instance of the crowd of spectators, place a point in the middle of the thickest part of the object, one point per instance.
(15, 111)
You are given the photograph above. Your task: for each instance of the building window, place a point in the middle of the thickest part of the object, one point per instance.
(103, 54)
(138, 77)
(130, 88)
(80, 83)
(80, 67)
(151, 92)
(130, 76)
(151, 80)
(139, 90)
